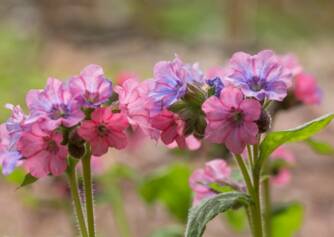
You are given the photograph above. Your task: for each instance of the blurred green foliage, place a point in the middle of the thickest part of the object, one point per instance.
(19, 69)
(169, 186)
(287, 219)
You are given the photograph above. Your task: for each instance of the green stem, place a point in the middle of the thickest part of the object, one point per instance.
(267, 208)
(252, 217)
(72, 180)
(256, 180)
(87, 179)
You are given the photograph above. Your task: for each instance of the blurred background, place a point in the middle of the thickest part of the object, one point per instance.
(143, 192)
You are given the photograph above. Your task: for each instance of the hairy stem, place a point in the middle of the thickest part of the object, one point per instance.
(267, 208)
(256, 180)
(252, 216)
(72, 180)
(87, 179)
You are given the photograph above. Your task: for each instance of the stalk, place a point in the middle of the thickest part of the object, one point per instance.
(72, 180)
(267, 208)
(87, 179)
(255, 217)
(256, 180)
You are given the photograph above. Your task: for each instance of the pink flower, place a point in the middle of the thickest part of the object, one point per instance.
(215, 171)
(171, 127)
(43, 151)
(135, 104)
(291, 68)
(231, 119)
(218, 170)
(283, 159)
(91, 88)
(56, 104)
(104, 130)
(306, 89)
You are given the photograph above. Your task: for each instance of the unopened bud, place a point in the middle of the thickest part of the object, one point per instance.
(264, 122)
(76, 150)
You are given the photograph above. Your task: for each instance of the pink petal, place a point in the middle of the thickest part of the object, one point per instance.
(38, 165)
(99, 146)
(251, 109)
(57, 165)
(117, 139)
(234, 143)
(231, 97)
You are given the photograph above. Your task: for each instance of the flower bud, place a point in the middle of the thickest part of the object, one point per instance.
(76, 150)
(264, 122)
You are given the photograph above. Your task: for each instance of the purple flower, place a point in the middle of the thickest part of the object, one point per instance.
(9, 156)
(10, 133)
(171, 79)
(91, 88)
(260, 76)
(217, 85)
(56, 104)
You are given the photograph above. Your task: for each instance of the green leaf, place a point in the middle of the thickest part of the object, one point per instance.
(169, 186)
(171, 231)
(200, 215)
(275, 139)
(287, 220)
(320, 147)
(28, 179)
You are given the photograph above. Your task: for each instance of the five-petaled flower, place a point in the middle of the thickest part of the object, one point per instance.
(260, 76)
(105, 129)
(91, 88)
(56, 104)
(231, 119)
(42, 151)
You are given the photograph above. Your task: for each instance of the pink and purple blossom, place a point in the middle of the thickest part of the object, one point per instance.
(55, 104)
(135, 104)
(171, 79)
(105, 129)
(231, 119)
(91, 88)
(42, 151)
(259, 76)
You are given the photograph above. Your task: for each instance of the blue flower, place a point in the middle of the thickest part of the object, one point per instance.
(216, 84)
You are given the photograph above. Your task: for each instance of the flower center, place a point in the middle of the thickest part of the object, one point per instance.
(91, 97)
(102, 130)
(52, 147)
(237, 116)
(59, 111)
(256, 84)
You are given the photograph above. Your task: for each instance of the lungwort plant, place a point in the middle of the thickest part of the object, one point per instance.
(71, 121)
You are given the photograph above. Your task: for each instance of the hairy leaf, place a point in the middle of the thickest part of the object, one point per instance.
(200, 215)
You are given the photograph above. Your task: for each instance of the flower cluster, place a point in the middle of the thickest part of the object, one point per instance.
(180, 106)
(63, 117)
